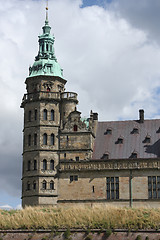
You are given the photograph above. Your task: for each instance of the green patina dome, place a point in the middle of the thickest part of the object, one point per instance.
(46, 62)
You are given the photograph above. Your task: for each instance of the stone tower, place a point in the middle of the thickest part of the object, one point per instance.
(51, 123)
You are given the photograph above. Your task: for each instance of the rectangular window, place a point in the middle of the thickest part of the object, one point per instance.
(73, 178)
(112, 187)
(77, 159)
(153, 187)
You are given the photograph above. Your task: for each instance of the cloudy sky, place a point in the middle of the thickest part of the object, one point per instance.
(110, 53)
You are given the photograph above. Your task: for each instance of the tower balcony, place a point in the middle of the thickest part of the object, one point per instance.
(40, 96)
(69, 96)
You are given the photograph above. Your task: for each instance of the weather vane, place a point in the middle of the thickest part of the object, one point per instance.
(46, 10)
(47, 5)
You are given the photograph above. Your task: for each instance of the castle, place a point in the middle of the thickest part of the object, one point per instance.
(67, 159)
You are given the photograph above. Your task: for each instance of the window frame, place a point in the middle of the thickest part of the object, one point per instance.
(51, 184)
(29, 140)
(35, 139)
(52, 115)
(35, 165)
(44, 165)
(34, 185)
(44, 184)
(52, 139)
(29, 165)
(112, 188)
(73, 178)
(52, 165)
(45, 113)
(45, 136)
(153, 187)
(29, 115)
(35, 114)
(75, 128)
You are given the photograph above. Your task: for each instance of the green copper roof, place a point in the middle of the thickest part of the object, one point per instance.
(86, 121)
(46, 62)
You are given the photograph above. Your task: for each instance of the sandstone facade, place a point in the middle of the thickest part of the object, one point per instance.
(70, 160)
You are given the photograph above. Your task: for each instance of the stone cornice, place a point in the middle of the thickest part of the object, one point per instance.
(121, 164)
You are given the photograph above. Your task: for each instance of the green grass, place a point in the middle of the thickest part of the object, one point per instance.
(80, 217)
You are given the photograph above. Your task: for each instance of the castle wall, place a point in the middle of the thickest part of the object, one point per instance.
(81, 191)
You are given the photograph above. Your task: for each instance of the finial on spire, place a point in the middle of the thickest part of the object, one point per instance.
(46, 12)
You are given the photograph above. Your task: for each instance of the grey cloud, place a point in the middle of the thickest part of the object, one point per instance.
(142, 14)
(106, 60)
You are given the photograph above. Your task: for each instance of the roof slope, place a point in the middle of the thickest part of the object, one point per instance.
(110, 142)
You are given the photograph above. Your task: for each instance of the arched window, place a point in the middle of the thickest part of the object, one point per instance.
(52, 139)
(34, 185)
(52, 165)
(47, 47)
(52, 115)
(45, 139)
(35, 139)
(52, 185)
(50, 48)
(35, 165)
(44, 164)
(35, 114)
(29, 165)
(75, 128)
(45, 114)
(29, 140)
(44, 184)
(29, 116)
(28, 186)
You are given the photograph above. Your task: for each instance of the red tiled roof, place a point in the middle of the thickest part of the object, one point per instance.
(132, 142)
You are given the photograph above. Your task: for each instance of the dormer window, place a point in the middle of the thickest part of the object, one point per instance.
(134, 155)
(119, 141)
(147, 139)
(158, 131)
(135, 131)
(108, 131)
(105, 156)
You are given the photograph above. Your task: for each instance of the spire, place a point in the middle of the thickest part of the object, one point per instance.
(46, 22)
(46, 28)
(46, 62)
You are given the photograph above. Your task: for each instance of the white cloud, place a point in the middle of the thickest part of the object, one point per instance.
(6, 207)
(112, 65)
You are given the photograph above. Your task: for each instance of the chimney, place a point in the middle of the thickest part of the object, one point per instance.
(141, 116)
(95, 116)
